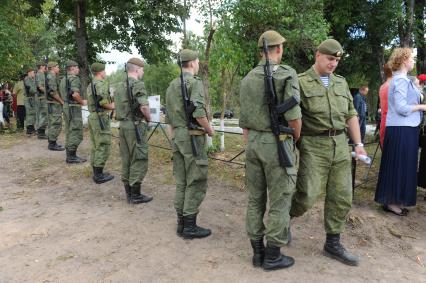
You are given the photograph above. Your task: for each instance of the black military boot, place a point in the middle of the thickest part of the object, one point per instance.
(73, 158)
(274, 259)
(191, 230)
(54, 146)
(99, 177)
(333, 249)
(258, 252)
(179, 229)
(128, 191)
(135, 195)
(41, 134)
(30, 130)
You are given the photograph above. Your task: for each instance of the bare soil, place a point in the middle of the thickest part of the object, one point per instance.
(56, 225)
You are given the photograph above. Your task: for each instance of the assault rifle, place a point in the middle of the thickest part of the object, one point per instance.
(134, 106)
(96, 98)
(188, 108)
(279, 125)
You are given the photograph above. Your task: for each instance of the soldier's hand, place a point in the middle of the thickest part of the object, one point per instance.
(359, 150)
(210, 132)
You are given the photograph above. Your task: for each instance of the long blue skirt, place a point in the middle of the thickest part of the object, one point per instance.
(397, 182)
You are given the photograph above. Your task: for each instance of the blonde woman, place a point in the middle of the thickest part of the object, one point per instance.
(397, 184)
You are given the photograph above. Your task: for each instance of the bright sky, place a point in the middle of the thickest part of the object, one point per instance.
(121, 57)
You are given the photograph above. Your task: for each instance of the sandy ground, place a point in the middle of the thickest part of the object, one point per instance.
(56, 225)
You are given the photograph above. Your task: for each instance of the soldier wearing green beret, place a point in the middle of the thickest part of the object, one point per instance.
(265, 178)
(100, 104)
(325, 161)
(41, 104)
(190, 171)
(30, 93)
(71, 94)
(134, 154)
(54, 107)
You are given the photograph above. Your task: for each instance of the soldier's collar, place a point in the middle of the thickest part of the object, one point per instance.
(263, 61)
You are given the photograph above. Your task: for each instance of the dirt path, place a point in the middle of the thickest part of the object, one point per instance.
(57, 226)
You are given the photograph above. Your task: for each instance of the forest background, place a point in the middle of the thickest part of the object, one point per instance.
(83, 29)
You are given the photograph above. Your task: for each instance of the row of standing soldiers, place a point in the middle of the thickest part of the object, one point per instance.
(323, 103)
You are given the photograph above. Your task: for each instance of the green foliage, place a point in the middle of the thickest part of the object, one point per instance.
(158, 77)
(21, 36)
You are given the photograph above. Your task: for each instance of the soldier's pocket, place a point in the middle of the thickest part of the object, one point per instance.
(202, 168)
(314, 101)
(342, 98)
(141, 151)
(105, 137)
(292, 174)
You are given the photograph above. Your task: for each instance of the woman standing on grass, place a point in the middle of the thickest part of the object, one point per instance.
(397, 184)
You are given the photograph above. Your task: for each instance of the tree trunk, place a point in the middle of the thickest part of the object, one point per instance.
(419, 35)
(405, 24)
(81, 39)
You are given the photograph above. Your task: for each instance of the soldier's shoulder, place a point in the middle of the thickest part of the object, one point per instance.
(338, 77)
(286, 68)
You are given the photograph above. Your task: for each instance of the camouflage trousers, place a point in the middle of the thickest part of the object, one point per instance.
(41, 112)
(325, 166)
(100, 140)
(54, 111)
(134, 156)
(266, 180)
(73, 126)
(190, 172)
(30, 111)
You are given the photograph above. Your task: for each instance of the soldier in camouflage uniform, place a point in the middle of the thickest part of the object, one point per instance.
(325, 160)
(30, 93)
(265, 178)
(190, 171)
(99, 123)
(134, 155)
(54, 107)
(70, 89)
(41, 104)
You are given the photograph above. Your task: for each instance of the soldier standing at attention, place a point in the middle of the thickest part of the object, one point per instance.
(325, 161)
(265, 178)
(70, 88)
(133, 116)
(99, 123)
(190, 170)
(54, 107)
(41, 104)
(30, 93)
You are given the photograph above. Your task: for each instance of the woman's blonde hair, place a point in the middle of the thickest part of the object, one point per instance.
(398, 57)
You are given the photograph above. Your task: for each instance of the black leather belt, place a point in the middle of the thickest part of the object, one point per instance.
(328, 133)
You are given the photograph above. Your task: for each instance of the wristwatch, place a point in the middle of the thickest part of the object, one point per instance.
(359, 144)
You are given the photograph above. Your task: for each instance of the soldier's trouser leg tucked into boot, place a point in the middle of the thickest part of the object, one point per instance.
(179, 228)
(135, 195)
(74, 131)
(99, 177)
(54, 124)
(54, 146)
(190, 173)
(334, 249)
(258, 252)
(191, 230)
(73, 158)
(274, 259)
(100, 147)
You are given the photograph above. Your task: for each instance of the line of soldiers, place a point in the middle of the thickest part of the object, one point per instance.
(316, 125)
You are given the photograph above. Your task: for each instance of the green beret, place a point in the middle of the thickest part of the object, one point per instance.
(331, 47)
(188, 55)
(41, 63)
(28, 69)
(136, 61)
(97, 67)
(71, 63)
(272, 38)
(52, 64)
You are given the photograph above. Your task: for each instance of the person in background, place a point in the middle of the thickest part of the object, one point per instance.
(421, 174)
(19, 90)
(397, 184)
(361, 108)
(383, 95)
